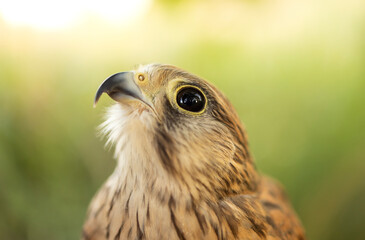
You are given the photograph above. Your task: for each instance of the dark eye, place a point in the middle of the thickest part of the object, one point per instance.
(191, 99)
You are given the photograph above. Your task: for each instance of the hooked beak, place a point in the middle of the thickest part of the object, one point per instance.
(121, 86)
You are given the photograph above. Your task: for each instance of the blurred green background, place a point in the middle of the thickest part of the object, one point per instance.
(294, 70)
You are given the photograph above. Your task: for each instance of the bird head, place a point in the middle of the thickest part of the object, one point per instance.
(171, 126)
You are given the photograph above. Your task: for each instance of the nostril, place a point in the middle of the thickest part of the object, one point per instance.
(141, 77)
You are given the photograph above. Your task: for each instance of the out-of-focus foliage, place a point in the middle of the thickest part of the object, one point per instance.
(295, 71)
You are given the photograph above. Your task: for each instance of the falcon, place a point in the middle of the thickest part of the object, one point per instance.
(184, 169)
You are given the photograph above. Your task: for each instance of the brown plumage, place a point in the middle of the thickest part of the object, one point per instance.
(184, 167)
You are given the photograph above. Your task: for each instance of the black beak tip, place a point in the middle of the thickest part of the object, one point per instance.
(97, 96)
(94, 105)
(102, 88)
(121, 83)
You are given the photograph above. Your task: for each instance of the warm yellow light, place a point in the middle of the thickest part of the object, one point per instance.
(48, 14)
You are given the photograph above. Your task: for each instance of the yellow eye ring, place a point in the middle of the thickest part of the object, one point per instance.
(190, 99)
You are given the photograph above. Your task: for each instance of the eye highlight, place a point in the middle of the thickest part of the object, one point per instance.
(191, 99)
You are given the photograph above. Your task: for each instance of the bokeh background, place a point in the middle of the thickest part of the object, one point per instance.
(294, 70)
